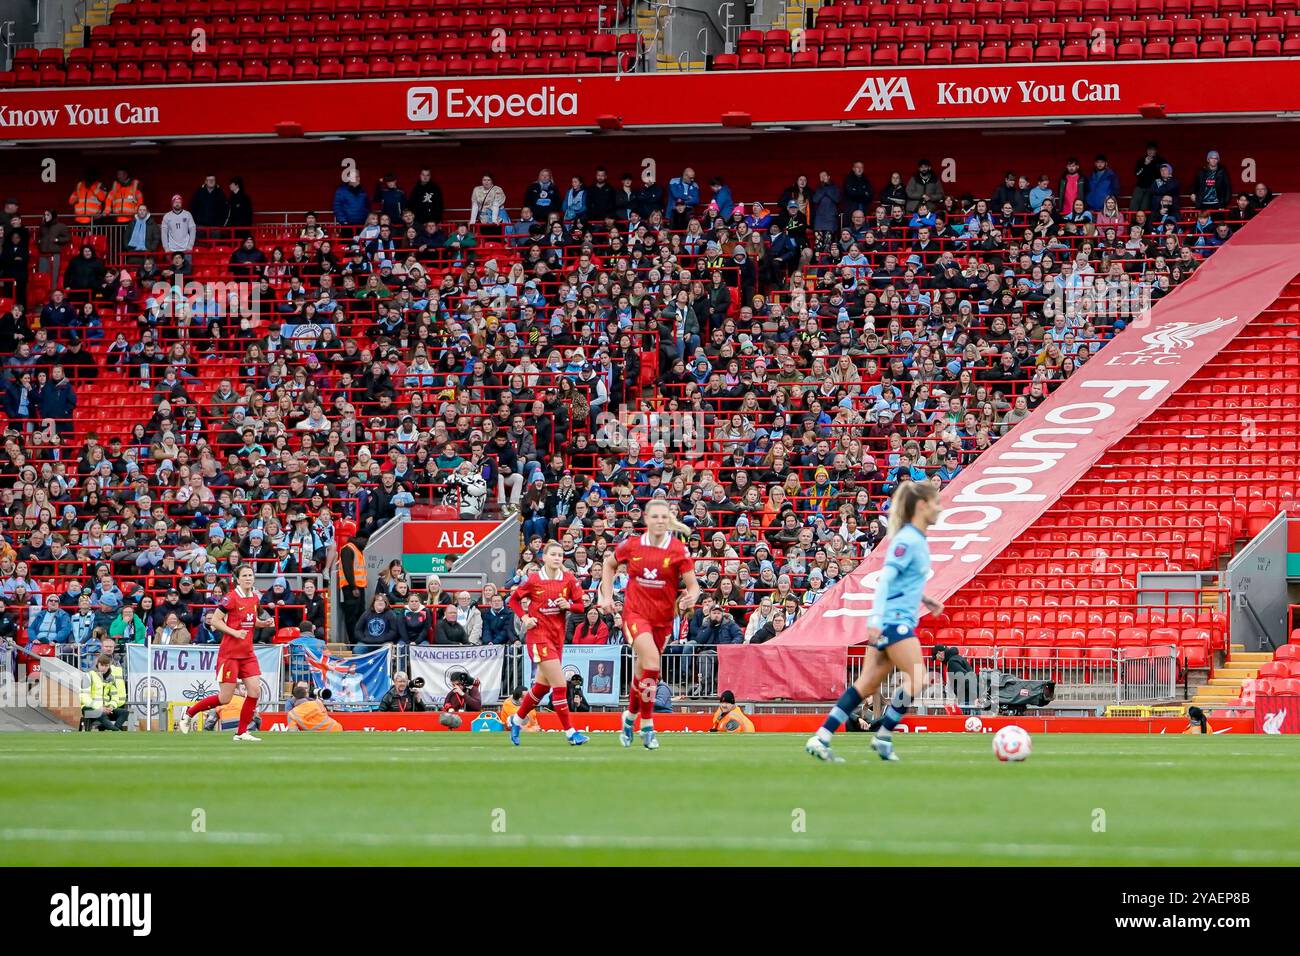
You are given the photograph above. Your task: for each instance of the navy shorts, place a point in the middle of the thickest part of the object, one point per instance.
(892, 634)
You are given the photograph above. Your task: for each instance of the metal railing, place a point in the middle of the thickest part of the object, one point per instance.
(1120, 676)
(1080, 684)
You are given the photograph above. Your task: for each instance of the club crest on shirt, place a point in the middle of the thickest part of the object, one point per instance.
(900, 550)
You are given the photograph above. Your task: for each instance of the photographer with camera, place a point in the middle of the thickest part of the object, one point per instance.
(307, 711)
(404, 696)
(464, 694)
(577, 700)
(961, 682)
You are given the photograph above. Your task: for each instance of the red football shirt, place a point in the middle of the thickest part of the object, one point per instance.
(241, 615)
(654, 578)
(549, 600)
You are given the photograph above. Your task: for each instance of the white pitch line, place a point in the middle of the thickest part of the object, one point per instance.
(971, 852)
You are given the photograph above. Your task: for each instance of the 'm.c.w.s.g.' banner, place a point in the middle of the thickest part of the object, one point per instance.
(437, 663)
(875, 95)
(157, 674)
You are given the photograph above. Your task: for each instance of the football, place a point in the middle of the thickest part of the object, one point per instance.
(1011, 744)
(974, 725)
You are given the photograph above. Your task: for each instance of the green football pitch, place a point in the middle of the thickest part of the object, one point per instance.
(434, 799)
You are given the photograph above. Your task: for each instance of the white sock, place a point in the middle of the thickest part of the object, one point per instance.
(825, 736)
(570, 732)
(647, 726)
(629, 717)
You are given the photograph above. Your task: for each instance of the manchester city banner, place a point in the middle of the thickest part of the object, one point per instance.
(355, 683)
(158, 673)
(436, 664)
(598, 665)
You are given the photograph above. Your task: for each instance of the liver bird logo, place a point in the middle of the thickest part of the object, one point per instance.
(1273, 722)
(1179, 336)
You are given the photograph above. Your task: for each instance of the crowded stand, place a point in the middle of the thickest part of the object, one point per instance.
(189, 389)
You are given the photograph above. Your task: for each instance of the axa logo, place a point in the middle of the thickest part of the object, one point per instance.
(1273, 722)
(1165, 345)
(881, 92)
(427, 104)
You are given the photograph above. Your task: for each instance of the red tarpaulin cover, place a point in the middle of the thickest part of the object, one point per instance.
(769, 672)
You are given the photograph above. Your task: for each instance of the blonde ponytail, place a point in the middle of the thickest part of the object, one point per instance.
(903, 505)
(675, 524)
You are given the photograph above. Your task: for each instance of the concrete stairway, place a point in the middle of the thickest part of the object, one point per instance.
(97, 14)
(1224, 685)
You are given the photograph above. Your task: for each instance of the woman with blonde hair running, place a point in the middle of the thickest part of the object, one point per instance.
(891, 624)
(661, 585)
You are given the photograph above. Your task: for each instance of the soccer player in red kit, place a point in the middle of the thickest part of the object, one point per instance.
(552, 593)
(661, 584)
(235, 619)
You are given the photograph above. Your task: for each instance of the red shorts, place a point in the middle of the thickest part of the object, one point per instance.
(544, 649)
(233, 669)
(634, 627)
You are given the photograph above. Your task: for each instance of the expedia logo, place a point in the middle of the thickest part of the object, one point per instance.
(426, 104)
(881, 92)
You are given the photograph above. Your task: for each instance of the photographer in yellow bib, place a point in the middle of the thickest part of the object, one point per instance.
(730, 719)
(307, 711)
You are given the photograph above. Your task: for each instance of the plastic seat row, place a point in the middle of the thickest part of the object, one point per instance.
(944, 53)
(234, 71)
(976, 34)
(249, 9)
(1045, 11)
(475, 48)
(576, 24)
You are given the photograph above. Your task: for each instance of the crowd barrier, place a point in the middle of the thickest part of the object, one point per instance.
(691, 674)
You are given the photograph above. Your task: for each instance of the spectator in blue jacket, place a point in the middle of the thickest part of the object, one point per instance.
(377, 627)
(57, 400)
(722, 196)
(906, 470)
(575, 201)
(718, 628)
(392, 201)
(950, 468)
(683, 187)
(58, 313)
(351, 204)
(498, 622)
(1102, 183)
(51, 624)
(1164, 185)
(782, 255)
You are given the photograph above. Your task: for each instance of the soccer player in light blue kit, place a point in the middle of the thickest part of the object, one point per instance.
(891, 625)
